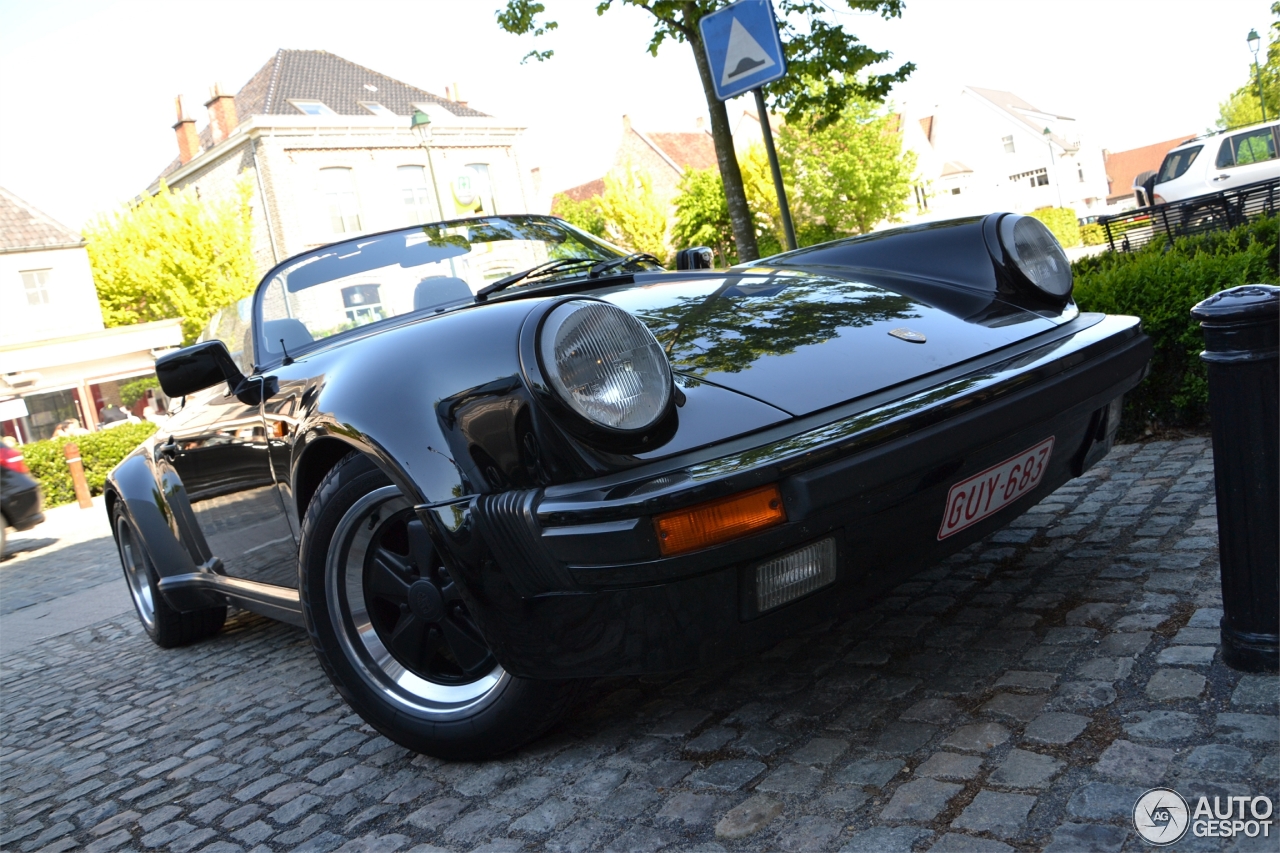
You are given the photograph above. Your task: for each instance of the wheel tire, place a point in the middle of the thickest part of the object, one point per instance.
(394, 636)
(165, 626)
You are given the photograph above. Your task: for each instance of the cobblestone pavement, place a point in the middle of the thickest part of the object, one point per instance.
(1020, 695)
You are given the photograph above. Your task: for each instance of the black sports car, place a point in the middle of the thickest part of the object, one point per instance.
(482, 460)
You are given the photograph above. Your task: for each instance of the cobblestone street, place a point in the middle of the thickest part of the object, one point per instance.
(1020, 696)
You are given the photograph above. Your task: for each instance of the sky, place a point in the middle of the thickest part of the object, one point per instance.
(87, 87)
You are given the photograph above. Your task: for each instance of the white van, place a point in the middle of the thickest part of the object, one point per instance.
(1222, 161)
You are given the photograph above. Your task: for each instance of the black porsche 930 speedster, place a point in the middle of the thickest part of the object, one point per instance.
(483, 460)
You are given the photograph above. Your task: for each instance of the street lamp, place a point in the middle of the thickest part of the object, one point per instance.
(1254, 44)
(420, 124)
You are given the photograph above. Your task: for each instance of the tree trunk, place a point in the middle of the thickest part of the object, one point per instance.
(744, 230)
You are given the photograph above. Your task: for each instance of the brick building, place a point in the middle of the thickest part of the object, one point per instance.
(664, 156)
(1123, 166)
(328, 148)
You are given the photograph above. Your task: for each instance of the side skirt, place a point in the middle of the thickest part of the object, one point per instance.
(274, 602)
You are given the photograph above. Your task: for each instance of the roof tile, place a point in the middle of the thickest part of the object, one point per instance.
(24, 227)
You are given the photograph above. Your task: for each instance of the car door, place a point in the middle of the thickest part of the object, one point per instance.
(217, 450)
(1244, 158)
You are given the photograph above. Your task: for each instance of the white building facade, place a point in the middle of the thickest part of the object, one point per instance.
(985, 150)
(57, 360)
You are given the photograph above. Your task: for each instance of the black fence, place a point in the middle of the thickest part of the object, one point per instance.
(1215, 212)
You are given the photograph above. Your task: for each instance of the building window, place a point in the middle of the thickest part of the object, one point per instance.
(377, 109)
(339, 191)
(313, 108)
(1008, 144)
(415, 194)
(1080, 173)
(36, 285)
(362, 303)
(482, 187)
(955, 191)
(1041, 180)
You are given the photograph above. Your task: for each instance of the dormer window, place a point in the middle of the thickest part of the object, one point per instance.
(313, 108)
(377, 109)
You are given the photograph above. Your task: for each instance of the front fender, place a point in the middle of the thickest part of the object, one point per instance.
(158, 507)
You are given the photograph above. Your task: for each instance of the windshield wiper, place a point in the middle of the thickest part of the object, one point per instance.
(604, 266)
(532, 272)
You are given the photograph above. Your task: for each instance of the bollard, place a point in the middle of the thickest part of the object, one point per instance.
(72, 452)
(1242, 348)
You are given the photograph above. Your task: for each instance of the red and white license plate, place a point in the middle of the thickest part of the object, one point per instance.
(972, 500)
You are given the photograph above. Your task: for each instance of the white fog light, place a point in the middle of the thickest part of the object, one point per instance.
(793, 575)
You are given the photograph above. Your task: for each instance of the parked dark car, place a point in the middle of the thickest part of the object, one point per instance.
(21, 504)
(483, 460)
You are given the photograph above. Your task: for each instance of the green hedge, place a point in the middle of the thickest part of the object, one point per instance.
(1159, 283)
(1093, 234)
(99, 451)
(1062, 222)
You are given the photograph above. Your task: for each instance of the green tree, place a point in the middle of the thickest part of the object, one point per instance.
(585, 214)
(702, 216)
(1242, 107)
(849, 173)
(173, 255)
(634, 217)
(816, 47)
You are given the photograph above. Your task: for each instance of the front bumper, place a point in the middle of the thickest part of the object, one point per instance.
(568, 581)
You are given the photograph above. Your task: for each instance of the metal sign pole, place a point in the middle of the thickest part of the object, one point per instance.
(784, 209)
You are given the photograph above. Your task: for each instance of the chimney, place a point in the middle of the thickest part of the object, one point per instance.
(701, 122)
(457, 95)
(222, 113)
(188, 139)
(626, 123)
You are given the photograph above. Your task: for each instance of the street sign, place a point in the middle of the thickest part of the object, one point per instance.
(743, 47)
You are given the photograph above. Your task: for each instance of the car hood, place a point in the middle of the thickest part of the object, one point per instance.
(804, 342)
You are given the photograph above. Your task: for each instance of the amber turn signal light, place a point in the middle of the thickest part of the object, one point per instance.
(717, 521)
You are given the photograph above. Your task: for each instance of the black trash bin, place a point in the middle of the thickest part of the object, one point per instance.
(1242, 347)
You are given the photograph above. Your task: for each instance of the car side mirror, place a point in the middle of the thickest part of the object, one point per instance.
(697, 258)
(197, 367)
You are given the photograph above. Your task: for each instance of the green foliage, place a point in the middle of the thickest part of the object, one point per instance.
(99, 452)
(816, 47)
(847, 175)
(519, 17)
(1093, 234)
(702, 214)
(1160, 283)
(132, 392)
(585, 214)
(1062, 223)
(173, 255)
(634, 217)
(1242, 106)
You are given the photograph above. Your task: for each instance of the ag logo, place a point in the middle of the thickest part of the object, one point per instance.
(1161, 816)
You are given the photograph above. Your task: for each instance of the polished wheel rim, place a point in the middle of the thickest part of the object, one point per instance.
(400, 617)
(135, 572)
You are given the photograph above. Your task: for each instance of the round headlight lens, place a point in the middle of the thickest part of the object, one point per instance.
(1037, 253)
(605, 364)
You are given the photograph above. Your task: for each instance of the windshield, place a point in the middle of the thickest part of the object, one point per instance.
(426, 269)
(1176, 163)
